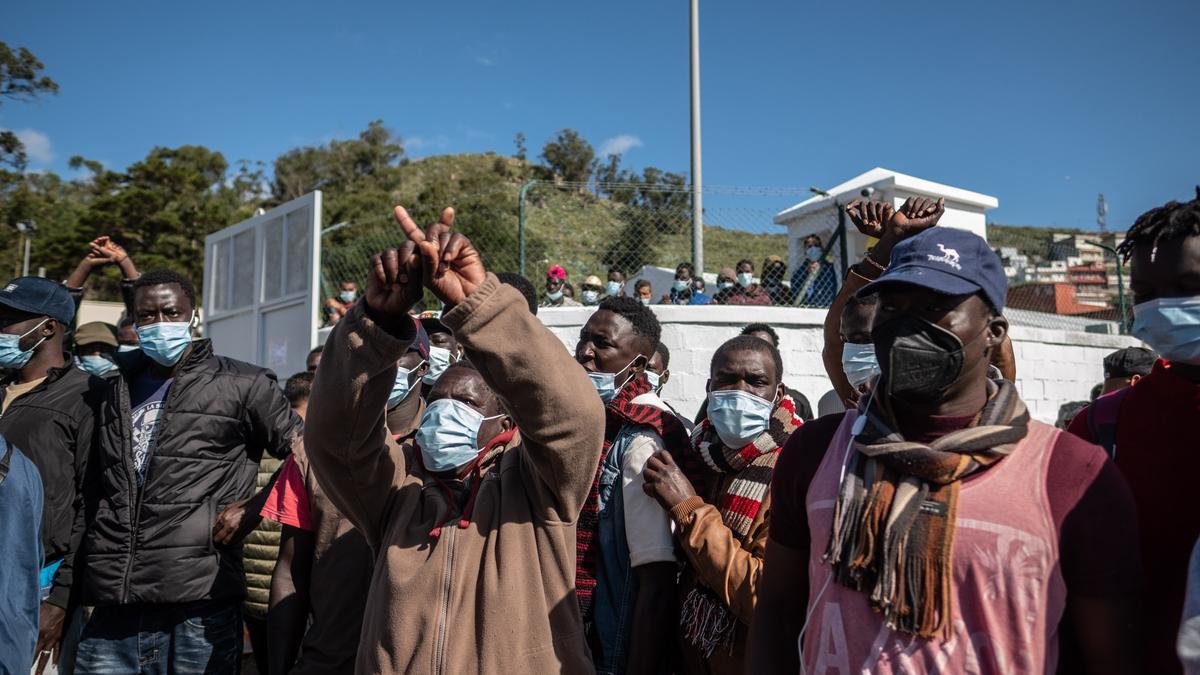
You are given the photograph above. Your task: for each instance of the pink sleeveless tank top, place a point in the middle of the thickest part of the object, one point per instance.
(1008, 588)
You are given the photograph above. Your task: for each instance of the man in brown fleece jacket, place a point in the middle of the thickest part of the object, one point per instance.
(485, 583)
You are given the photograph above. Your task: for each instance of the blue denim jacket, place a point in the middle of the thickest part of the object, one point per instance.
(21, 531)
(616, 585)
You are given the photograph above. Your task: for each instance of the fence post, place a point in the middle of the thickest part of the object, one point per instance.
(1120, 285)
(842, 242)
(521, 225)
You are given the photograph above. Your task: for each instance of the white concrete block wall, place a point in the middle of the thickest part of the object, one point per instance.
(1053, 367)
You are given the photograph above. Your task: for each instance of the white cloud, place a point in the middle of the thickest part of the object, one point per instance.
(619, 145)
(484, 61)
(421, 144)
(37, 145)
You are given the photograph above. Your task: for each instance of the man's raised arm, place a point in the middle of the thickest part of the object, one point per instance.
(344, 434)
(556, 409)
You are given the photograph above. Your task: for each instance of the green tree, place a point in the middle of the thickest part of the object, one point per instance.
(519, 141)
(20, 80)
(355, 176)
(570, 156)
(160, 209)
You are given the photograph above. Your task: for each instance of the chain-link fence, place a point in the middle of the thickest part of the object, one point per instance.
(1068, 280)
(638, 235)
(634, 235)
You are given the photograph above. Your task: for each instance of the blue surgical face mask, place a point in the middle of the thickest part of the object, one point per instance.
(654, 379)
(440, 359)
(554, 295)
(645, 301)
(613, 288)
(164, 342)
(745, 279)
(402, 386)
(859, 363)
(97, 365)
(11, 355)
(813, 253)
(1171, 326)
(348, 296)
(738, 417)
(449, 434)
(606, 383)
(680, 284)
(591, 297)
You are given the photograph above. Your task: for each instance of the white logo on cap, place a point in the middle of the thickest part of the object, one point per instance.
(948, 256)
(10, 288)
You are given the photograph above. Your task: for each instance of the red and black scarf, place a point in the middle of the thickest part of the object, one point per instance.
(620, 412)
(707, 622)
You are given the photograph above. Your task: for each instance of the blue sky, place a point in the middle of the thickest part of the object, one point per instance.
(1043, 105)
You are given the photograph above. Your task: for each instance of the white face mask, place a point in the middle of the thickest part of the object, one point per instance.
(440, 359)
(859, 363)
(1171, 326)
(744, 279)
(591, 297)
(654, 379)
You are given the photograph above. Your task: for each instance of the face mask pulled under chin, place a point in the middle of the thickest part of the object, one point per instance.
(1171, 326)
(920, 360)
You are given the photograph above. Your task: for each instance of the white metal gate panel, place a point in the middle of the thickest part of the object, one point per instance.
(262, 288)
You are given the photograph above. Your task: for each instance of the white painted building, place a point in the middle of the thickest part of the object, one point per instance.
(818, 215)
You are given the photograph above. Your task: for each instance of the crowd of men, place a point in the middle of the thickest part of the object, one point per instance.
(813, 284)
(453, 492)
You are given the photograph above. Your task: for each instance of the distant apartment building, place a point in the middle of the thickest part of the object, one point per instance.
(1065, 273)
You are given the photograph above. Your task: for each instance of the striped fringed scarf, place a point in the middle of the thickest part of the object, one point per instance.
(621, 411)
(706, 621)
(893, 527)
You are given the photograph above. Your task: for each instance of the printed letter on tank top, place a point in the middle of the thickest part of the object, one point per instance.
(1008, 590)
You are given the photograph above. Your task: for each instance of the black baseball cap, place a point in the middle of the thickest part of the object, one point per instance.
(39, 296)
(949, 261)
(1129, 362)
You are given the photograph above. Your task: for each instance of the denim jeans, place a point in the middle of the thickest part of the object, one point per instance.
(162, 639)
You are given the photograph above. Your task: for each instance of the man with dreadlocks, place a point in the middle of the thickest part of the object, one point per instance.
(1150, 427)
(941, 528)
(626, 559)
(717, 497)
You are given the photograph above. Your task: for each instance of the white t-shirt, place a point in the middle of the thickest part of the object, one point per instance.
(647, 525)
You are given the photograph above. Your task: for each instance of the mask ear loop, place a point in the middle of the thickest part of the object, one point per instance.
(627, 380)
(860, 423)
(36, 344)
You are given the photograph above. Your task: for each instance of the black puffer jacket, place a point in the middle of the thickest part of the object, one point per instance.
(52, 425)
(155, 544)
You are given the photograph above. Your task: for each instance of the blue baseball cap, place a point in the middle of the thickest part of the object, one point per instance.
(420, 343)
(40, 297)
(949, 261)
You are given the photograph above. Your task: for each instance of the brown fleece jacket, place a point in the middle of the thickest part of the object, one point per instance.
(498, 595)
(730, 568)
